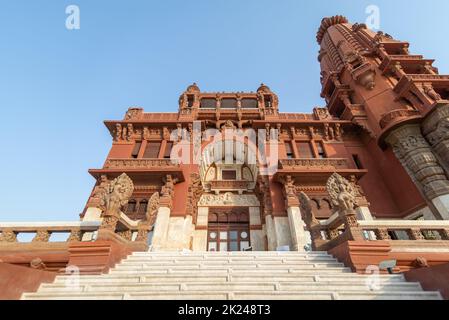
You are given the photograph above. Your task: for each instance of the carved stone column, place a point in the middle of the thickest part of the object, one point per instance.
(436, 130)
(267, 209)
(271, 233)
(416, 155)
(161, 227)
(297, 231)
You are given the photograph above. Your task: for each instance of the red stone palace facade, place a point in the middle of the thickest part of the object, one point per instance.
(364, 177)
(382, 129)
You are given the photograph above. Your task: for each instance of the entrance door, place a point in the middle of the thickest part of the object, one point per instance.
(228, 231)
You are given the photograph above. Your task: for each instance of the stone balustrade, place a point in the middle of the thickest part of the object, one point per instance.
(75, 231)
(407, 229)
(306, 164)
(139, 163)
(43, 230)
(330, 233)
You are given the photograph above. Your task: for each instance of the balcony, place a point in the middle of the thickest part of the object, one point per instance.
(140, 167)
(307, 164)
(317, 169)
(140, 164)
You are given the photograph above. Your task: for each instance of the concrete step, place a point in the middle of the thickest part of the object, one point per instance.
(260, 277)
(272, 260)
(219, 270)
(140, 266)
(230, 275)
(228, 286)
(261, 295)
(230, 254)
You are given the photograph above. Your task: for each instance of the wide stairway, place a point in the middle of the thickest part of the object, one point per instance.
(228, 276)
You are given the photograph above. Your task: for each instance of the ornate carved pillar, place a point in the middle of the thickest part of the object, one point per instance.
(416, 155)
(297, 231)
(313, 225)
(271, 233)
(162, 223)
(436, 130)
(264, 196)
(362, 206)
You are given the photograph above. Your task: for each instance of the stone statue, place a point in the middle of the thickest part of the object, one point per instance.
(117, 195)
(342, 193)
(118, 132)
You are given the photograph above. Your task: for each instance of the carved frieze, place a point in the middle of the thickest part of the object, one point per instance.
(304, 164)
(139, 163)
(289, 191)
(228, 199)
(342, 193)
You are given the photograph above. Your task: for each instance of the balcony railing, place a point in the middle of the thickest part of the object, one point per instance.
(320, 164)
(406, 229)
(330, 233)
(10, 231)
(139, 163)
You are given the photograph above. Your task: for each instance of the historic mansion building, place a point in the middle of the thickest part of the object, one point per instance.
(364, 177)
(383, 129)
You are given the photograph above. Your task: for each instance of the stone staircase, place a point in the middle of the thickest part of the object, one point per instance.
(234, 275)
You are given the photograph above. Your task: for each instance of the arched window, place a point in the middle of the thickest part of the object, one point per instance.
(223, 217)
(244, 217)
(233, 218)
(315, 204)
(131, 207)
(213, 217)
(143, 205)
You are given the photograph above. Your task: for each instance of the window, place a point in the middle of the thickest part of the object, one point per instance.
(190, 100)
(136, 150)
(305, 150)
(228, 103)
(357, 161)
(229, 175)
(168, 148)
(320, 150)
(152, 150)
(208, 103)
(248, 103)
(143, 205)
(289, 150)
(131, 207)
(268, 102)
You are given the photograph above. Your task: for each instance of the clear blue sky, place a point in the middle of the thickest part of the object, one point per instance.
(57, 86)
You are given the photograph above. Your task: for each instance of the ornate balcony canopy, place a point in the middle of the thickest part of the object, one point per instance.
(320, 169)
(156, 168)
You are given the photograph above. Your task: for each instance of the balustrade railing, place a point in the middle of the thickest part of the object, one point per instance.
(330, 233)
(11, 231)
(81, 231)
(305, 164)
(139, 163)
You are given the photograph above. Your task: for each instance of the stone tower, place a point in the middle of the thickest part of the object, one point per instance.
(399, 99)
